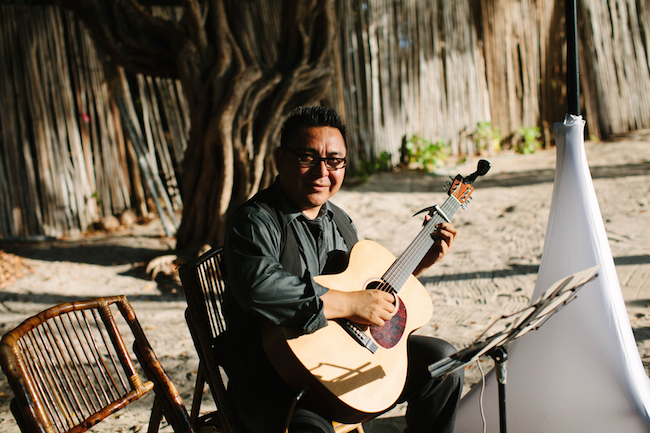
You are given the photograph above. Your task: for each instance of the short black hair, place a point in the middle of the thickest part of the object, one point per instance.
(307, 117)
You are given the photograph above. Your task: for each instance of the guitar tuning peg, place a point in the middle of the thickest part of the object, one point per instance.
(464, 206)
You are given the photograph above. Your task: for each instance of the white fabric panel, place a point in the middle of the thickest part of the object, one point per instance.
(581, 371)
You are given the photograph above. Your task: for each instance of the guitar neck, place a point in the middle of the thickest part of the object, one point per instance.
(404, 266)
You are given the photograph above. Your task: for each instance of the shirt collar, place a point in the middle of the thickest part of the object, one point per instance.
(291, 210)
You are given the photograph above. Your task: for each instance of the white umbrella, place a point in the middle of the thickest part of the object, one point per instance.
(581, 371)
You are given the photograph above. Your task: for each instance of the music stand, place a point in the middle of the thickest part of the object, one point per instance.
(514, 326)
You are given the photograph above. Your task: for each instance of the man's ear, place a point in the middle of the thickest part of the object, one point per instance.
(279, 156)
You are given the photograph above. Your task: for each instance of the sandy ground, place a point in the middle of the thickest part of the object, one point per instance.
(491, 270)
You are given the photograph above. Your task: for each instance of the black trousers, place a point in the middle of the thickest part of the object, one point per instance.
(262, 398)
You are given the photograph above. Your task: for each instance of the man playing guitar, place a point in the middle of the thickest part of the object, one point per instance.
(275, 245)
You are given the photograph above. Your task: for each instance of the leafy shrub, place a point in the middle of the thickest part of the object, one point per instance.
(430, 155)
(383, 162)
(529, 142)
(487, 137)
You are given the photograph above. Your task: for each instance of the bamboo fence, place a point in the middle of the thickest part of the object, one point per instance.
(616, 40)
(80, 140)
(437, 68)
(409, 67)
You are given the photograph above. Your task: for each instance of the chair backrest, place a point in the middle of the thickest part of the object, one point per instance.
(69, 368)
(204, 286)
(207, 286)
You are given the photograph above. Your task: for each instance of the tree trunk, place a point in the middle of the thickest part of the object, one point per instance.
(243, 66)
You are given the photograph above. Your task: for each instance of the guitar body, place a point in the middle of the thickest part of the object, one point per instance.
(345, 378)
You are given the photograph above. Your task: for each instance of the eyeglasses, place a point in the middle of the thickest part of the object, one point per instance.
(309, 160)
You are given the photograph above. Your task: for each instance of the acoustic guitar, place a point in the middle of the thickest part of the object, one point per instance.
(357, 371)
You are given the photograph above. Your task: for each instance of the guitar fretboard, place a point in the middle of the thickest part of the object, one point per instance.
(399, 272)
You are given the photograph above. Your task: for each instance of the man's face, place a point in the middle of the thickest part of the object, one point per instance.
(310, 187)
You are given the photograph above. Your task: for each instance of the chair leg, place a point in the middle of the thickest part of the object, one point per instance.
(18, 416)
(195, 411)
(156, 416)
(346, 428)
(167, 396)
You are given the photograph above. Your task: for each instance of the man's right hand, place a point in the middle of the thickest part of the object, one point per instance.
(370, 307)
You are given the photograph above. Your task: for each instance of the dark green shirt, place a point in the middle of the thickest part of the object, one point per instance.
(264, 234)
(257, 279)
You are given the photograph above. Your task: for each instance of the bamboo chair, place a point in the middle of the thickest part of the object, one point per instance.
(204, 285)
(69, 368)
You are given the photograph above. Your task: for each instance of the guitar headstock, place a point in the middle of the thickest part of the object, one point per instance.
(461, 187)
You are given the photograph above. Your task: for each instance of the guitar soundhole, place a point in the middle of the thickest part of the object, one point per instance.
(389, 335)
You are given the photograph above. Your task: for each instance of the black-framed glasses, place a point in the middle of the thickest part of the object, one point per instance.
(310, 160)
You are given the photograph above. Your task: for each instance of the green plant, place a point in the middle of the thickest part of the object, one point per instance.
(384, 162)
(529, 142)
(487, 137)
(427, 153)
(95, 195)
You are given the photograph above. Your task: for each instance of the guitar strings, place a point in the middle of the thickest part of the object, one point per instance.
(424, 239)
(407, 259)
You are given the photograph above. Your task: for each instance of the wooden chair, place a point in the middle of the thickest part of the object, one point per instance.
(204, 285)
(69, 368)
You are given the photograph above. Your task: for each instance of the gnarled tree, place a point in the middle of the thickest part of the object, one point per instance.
(244, 65)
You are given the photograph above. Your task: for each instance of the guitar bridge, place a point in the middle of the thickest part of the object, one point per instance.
(358, 335)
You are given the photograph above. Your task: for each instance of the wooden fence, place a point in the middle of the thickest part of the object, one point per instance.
(80, 140)
(74, 144)
(437, 68)
(411, 67)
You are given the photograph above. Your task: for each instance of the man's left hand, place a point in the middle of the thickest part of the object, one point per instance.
(444, 237)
